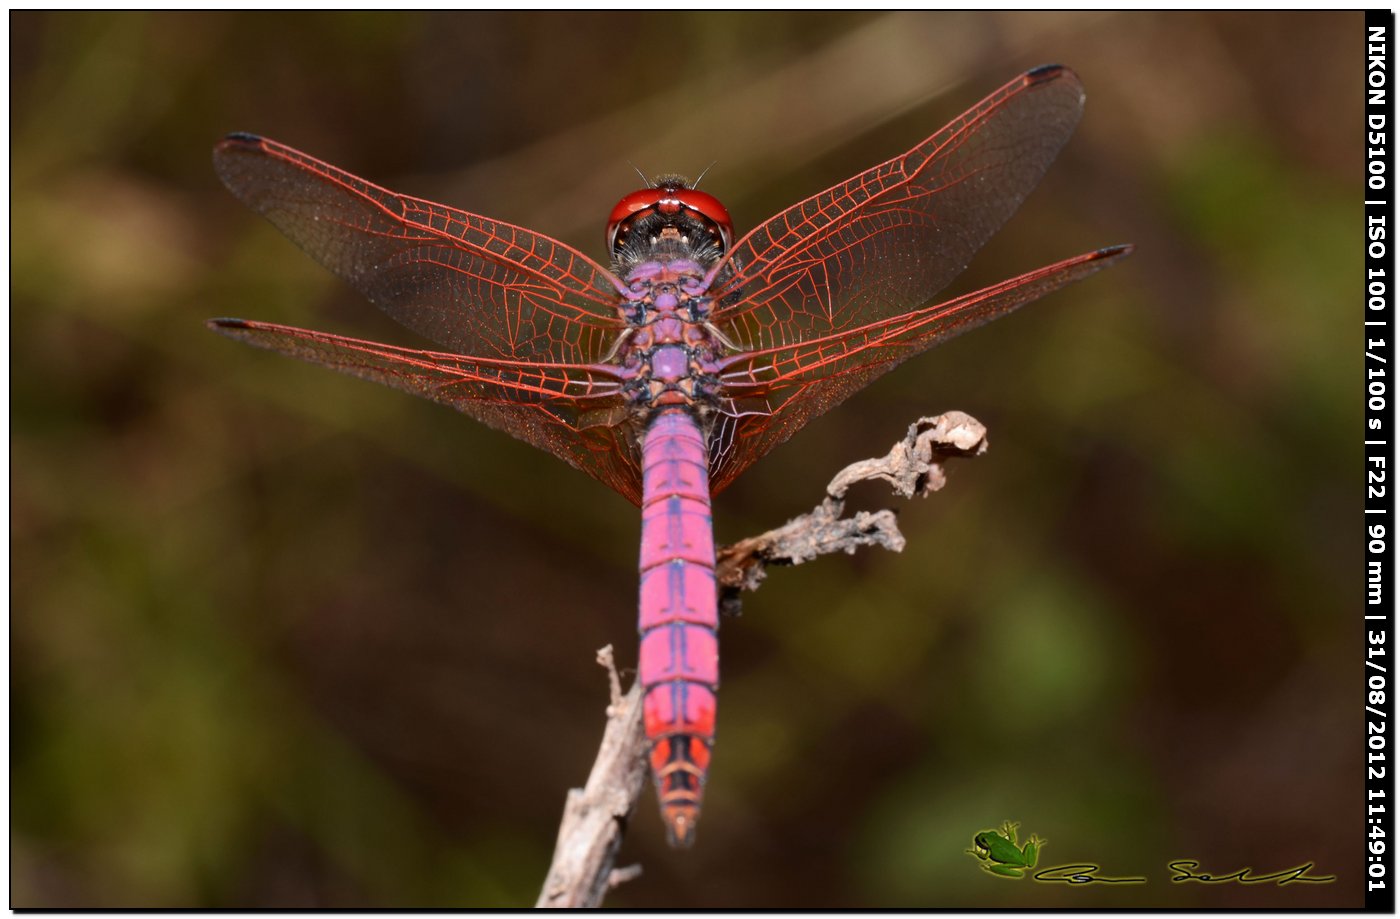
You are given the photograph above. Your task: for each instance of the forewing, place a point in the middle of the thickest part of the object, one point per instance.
(771, 393)
(887, 240)
(577, 412)
(474, 285)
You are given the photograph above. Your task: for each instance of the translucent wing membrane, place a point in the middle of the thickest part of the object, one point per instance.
(471, 284)
(772, 392)
(887, 240)
(577, 412)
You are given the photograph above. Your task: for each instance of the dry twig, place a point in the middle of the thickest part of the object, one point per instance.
(913, 467)
(596, 815)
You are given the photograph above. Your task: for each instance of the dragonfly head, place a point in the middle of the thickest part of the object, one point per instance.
(678, 206)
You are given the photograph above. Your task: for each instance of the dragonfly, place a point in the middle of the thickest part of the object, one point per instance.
(669, 372)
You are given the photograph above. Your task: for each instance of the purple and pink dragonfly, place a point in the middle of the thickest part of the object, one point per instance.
(668, 373)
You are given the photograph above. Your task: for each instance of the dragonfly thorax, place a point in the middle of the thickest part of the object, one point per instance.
(670, 349)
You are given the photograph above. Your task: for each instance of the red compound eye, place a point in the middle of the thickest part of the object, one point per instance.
(631, 204)
(669, 200)
(708, 206)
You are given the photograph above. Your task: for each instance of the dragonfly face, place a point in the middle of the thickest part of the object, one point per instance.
(668, 375)
(693, 213)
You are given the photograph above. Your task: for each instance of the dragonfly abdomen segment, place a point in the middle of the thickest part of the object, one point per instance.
(678, 616)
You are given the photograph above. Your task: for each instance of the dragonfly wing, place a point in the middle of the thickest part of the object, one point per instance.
(770, 394)
(577, 412)
(471, 284)
(890, 238)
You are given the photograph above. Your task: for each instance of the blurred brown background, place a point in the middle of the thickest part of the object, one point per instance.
(284, 638)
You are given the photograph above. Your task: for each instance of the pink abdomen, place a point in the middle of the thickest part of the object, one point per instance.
(678, 620)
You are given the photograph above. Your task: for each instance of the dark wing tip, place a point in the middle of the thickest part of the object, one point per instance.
(1115, 251)
(239, 140)
(220, 325)
(1045, 72)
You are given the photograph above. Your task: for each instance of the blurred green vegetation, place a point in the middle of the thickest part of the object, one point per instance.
(284, 639)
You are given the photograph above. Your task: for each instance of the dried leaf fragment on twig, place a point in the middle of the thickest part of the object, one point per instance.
(913, 467)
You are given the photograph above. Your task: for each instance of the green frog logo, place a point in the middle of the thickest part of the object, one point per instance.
(1001, 856)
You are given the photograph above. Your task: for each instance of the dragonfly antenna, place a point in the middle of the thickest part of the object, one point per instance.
(696, 183)
(645, 180)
